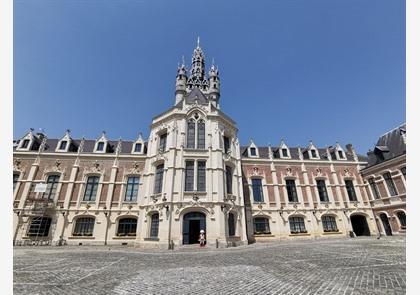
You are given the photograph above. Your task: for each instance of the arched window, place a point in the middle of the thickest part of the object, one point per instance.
(390, 183)
(39, 227)
(231, 224)
(84, 226)
(261, 225)
(201, 138)
(127, 227)
(401, 218)
(154, 225)
(52, 183)
(329, 224)
(374, 188)
(158, 179)
(297, 225)
(191, 134)
(228, 180)
(91, 188)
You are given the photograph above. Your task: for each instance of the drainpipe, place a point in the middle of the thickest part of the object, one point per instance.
(170, 244)
(106, 227)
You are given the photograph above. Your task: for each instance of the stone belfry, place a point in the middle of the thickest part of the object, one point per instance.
(210, 86)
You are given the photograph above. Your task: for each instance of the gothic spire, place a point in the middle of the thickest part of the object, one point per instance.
(197, 63)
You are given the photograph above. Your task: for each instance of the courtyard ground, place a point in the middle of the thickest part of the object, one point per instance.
(362, 265)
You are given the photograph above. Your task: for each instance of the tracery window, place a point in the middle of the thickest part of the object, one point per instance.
(196, 133)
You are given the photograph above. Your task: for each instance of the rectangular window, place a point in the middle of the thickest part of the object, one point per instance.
(191, 135)
(253, 151)
(374, 188)
(329, 224)
(189, 176)
(162, 142)
(350, 190)
(403, 171)
(390, 183)
(63, 145)
(52, 183)
(201, 176)
(91, 188)
(15, 180)
(257, 190)
(132, 189)
(100, 146)
(84, 226)
(261, 225)
(297, 225)
(25, 144)
(201, 135)
(340, 155)
(137, 148)
(154, 226)
(226, 143)
(39, 227)
(284, 153)
(291, 190)
(322, 190)
(313, 153)
(158, 179)
(228, 180)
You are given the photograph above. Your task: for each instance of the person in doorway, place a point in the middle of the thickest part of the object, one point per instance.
(202, 238)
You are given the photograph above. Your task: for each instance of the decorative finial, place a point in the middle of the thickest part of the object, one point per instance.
(212, 61)
(198, 41)
(68, 130)
(183, 60)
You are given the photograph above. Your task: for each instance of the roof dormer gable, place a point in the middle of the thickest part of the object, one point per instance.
(312, 151)
(27, 142)
(284, 151)
(340, 154)
(252, 150)
(138, 145)
(63, 145)
(101, 144)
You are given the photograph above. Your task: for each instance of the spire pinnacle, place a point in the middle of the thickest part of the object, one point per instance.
(198, 41)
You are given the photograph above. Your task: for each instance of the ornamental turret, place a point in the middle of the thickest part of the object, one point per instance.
(214, 85)
(181, 82)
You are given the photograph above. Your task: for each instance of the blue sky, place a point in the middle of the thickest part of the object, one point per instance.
(301, 70)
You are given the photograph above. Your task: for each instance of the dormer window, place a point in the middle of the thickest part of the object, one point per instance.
(284, 153)
(137, 148)
(100, 146)
(63, 145)
(253, 151)
(313, 154)
(25, 144)
(340, 154)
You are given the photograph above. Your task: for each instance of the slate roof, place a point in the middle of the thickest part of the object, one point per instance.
(389, 146)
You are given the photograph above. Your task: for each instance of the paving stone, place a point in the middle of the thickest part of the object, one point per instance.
(333, 266)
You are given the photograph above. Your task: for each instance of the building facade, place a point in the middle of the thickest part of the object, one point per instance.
(385, 176)
(191, 174)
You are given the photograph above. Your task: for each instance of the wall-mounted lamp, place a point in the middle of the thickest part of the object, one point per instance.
(222, 207)
(167, 208)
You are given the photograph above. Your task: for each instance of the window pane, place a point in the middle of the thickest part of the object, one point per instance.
(162, 142)
(401, 218)
(261, 225)
(322, 190)
(390, 183)
(313, 152)
(201, 178)
(25, 143)
(228, 180)
(226, 143)
(63, 145)
(39, 227)
(329, 224)
(154, 226)
(132, 189)
(84, 226)
(231, 224)
(374, 188)
(100, 146)
(350, 191)
(201, 135)
(137, 147)
(257, 190)
(158, 179)
(191, 135)
(297, 225)
(291, 190)
(52, 183)
(284, 153)
(253, 151)
(15, 180)
(127, 227)
(189, 175)
(91, 188)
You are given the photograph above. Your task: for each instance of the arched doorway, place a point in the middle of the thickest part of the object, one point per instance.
(360, 225)
(385, 223)
(193, 222)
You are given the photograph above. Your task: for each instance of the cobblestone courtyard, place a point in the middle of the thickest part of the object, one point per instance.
(333, 266)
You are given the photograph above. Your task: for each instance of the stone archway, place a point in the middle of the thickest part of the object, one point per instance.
(192, 223)
(360, 225)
